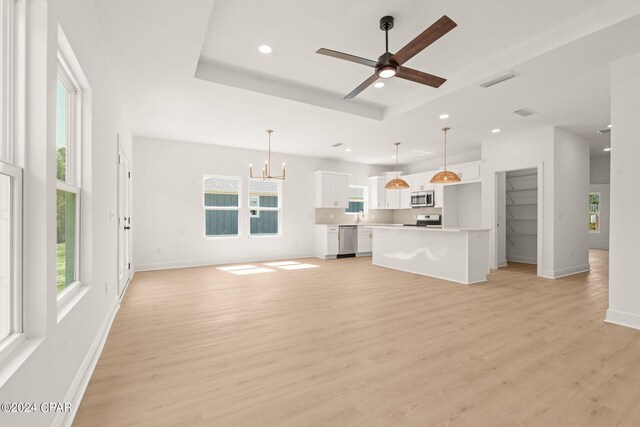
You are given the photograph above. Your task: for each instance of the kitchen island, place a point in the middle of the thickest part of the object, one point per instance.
(457, 254)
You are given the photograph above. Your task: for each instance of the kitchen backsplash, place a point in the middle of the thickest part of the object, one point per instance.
(408, 216)
(338, 216)
(381, 216)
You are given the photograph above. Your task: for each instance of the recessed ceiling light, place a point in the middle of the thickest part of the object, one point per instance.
(347, 149)
(379, 85)
(606, 149)
(496, 130)
(265, 48)
(609, 126)
(444, 116)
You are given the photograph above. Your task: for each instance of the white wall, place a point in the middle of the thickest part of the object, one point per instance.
(168, 214)
(469, 205)
(571, 202)
(49, 367)
(601, 240)
(624, 250)
(600, 170)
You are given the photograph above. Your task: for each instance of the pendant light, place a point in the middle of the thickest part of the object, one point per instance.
(397, 183)
(445, 176)
(266, 169)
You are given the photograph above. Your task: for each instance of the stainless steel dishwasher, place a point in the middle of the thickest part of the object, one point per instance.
(348, 241)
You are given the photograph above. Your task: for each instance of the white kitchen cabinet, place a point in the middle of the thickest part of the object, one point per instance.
(327, 241)
(377, 193)
(405, 195)
(420, 182)
(382, 198)
(331, 190)
(365, 238)
(438, 195)
(468, 172)
(392, 199)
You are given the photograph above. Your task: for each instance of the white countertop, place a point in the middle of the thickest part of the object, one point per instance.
(365, 224)
(416, 228)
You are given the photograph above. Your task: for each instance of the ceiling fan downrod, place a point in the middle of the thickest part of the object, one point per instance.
(386, 23)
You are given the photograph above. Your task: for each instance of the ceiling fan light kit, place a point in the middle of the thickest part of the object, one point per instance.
(389, 64)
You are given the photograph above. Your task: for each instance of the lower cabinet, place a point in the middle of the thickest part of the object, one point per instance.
(365, 237)
(327, 243)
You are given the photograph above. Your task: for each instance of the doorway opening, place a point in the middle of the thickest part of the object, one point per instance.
(518, 230)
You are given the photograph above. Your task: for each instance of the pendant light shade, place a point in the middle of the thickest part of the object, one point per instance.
(397, 183)
(445, 176)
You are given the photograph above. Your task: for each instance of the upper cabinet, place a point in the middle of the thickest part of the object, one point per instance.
(382, 198)
(331, 189)
(377, 192)
(420, 182)
(468, 172)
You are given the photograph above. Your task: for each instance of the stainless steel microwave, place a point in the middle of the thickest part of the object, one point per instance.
(420, 199)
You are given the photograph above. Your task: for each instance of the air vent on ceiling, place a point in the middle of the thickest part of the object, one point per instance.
(524, 112)
(337, 144)
(604, 131)
(499, 79)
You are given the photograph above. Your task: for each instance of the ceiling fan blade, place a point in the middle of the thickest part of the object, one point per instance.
(420, 77)
(365, 84)
(347, 57)
(438, 29)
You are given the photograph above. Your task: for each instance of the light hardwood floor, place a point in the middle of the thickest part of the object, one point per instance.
(349, 343)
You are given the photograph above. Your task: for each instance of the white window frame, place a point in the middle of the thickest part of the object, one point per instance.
(258, 209)
(597, 213)
(15, 282)
(221, 208)
(72, 183)
(12, 90)
(365, 199)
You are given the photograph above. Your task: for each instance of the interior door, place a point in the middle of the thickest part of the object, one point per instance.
(124, 221)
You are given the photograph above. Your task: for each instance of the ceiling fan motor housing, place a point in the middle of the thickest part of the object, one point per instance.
(386, 23)
(386, 68)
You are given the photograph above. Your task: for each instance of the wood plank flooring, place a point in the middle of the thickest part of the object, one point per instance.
(349, 343)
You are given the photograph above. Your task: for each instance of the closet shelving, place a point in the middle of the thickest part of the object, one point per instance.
(522, 215)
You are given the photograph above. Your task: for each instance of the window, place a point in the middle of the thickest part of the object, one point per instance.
(10, 182)
(357, 199)
(264, 207)
(221, 202)
(68, 178)
(10, 250)
(594, 212)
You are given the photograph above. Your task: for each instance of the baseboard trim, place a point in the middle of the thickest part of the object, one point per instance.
(189, 264)
(502, 263)
(523, 259)
(604, 248)
(571, 270)
(621, 318)
(81, 381)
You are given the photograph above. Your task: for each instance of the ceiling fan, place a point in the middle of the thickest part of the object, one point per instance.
(390, 65)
